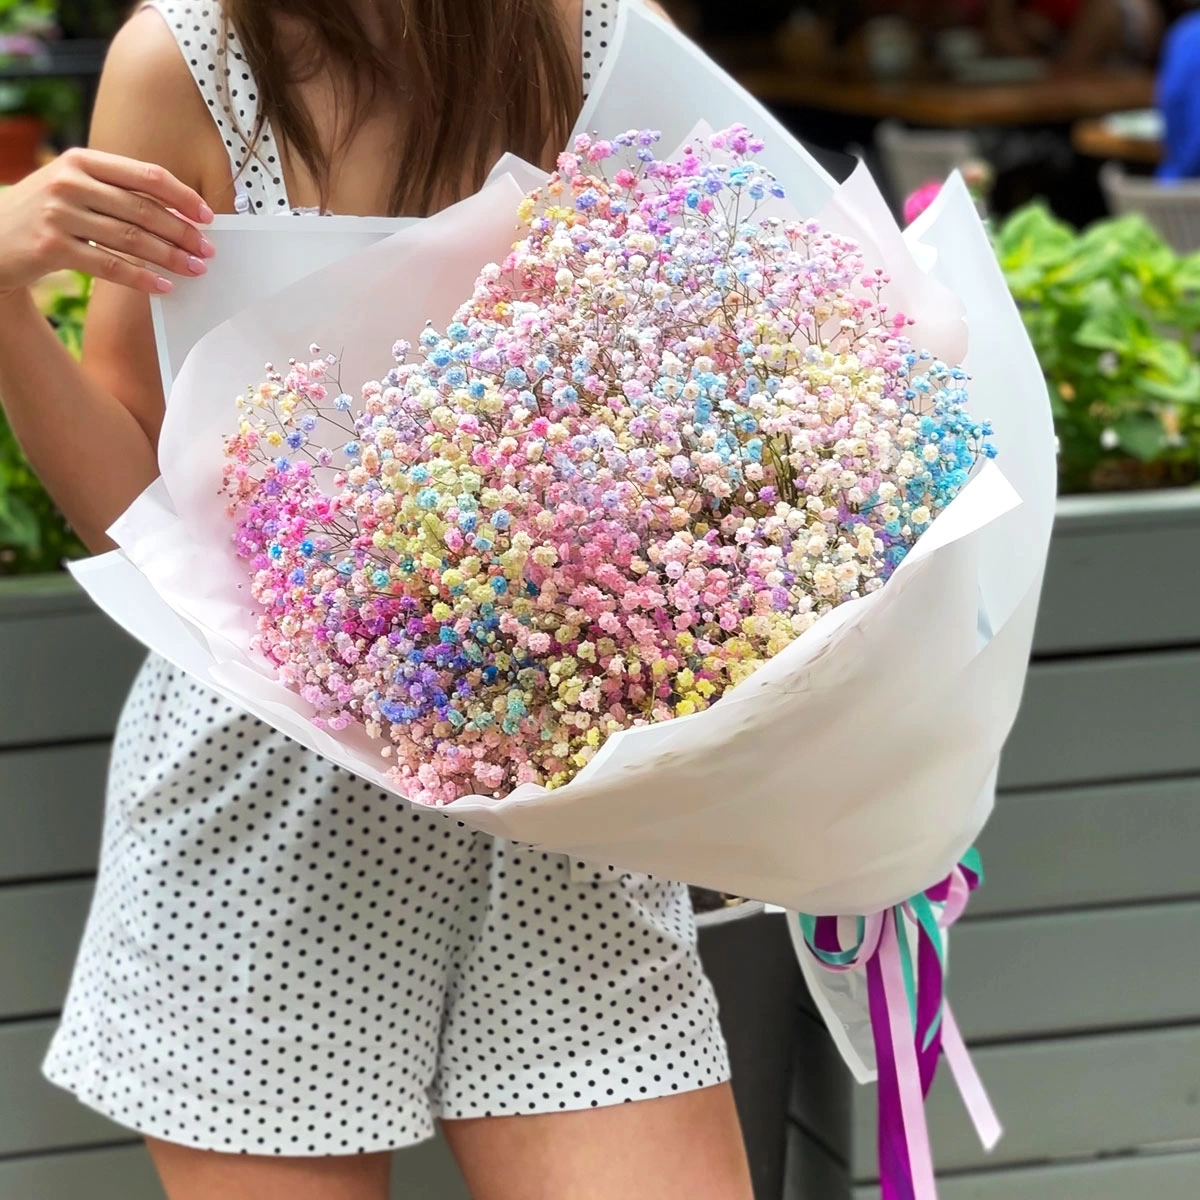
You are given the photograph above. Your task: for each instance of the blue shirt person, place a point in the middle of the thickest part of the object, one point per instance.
(1179, 99)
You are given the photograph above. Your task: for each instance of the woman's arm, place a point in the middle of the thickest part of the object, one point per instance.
(91, 431)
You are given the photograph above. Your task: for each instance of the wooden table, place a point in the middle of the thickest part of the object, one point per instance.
(1095, 139)
(1058, 99)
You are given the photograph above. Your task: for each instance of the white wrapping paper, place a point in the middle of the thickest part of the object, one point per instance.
(857, 766)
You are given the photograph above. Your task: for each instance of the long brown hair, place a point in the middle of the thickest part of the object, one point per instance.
(471, 77)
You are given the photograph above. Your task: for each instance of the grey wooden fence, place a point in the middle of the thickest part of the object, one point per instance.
(64, 672)
(1076, 976)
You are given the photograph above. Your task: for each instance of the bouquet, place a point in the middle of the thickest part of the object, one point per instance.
(672, 545)
(661, 441)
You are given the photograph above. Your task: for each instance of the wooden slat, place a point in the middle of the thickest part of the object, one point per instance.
(812, 1172)
(748, 956)
(426, 1172)
(1059, 1100)
(1105, 549)
(1075, 847)
(40, 929)
(64, 667)
(34, 1114)
(814, 1175)
(1156, 1176)
(115, 1173)
(1106, 719)
(51, 810)
(1076, 972)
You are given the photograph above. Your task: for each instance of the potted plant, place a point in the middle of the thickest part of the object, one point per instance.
(31, 104)
(34, 537)
(1114, 315)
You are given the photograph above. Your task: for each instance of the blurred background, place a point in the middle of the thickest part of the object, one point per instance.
(1076, 977)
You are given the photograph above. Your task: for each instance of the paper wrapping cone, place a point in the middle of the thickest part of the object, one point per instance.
(856, 767)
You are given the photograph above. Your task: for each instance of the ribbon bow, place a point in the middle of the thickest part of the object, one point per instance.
(911, 1022)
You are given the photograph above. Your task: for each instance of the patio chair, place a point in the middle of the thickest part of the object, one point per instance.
(914, 157)
(1172, 208)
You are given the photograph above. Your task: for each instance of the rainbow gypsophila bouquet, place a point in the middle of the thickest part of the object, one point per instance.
(667, 435)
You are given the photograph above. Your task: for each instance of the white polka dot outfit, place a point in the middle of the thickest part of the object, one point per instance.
(281, 959)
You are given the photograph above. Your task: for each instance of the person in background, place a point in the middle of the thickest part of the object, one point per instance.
(1179, 99)
(1078, 33)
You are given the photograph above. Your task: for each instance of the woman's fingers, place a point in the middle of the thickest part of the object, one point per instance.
(141, 212)
(148, 178)
(107, 264)
(134, 241)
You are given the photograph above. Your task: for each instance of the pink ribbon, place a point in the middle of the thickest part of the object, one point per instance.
(911, 1034)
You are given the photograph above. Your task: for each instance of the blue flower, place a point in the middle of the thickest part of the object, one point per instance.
(351, 449)
(275, 551)
(343, 403)
(306, 547)
(477, 390)
(295, 439)
(514, 377)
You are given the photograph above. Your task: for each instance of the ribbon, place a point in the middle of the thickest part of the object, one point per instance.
(911, 1022)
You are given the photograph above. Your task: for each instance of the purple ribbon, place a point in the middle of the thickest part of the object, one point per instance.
(911, 1033)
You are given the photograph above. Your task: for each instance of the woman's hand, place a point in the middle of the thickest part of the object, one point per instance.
(106, 216)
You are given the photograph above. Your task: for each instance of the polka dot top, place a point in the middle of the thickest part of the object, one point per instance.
(227, 85)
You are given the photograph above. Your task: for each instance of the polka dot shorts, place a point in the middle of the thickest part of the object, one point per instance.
(282, 960)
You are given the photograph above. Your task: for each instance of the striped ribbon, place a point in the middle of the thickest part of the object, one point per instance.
(911, 1022)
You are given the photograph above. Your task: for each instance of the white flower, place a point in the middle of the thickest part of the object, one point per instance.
(1108, 364)
(1109, 439)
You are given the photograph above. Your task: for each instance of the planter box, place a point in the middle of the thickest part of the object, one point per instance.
(1124, 572)
(1087, 926)
(1073, 975)
(64, 668)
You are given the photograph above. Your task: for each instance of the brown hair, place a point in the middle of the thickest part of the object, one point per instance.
(471, 77)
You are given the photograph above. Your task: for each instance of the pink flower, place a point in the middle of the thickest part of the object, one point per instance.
(920, 200)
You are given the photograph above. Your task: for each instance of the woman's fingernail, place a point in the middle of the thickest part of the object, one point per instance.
(207, 248)
(206, 213)
(197, 266)
(162, 285)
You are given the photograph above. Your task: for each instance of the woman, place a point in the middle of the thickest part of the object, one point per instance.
(285, 974)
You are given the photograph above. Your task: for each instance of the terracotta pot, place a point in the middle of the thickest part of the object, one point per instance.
(21, 141)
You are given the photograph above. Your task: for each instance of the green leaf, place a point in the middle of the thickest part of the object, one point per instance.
(1141, 435)
(19, 527)
(1185, 390)
(1113, 328)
